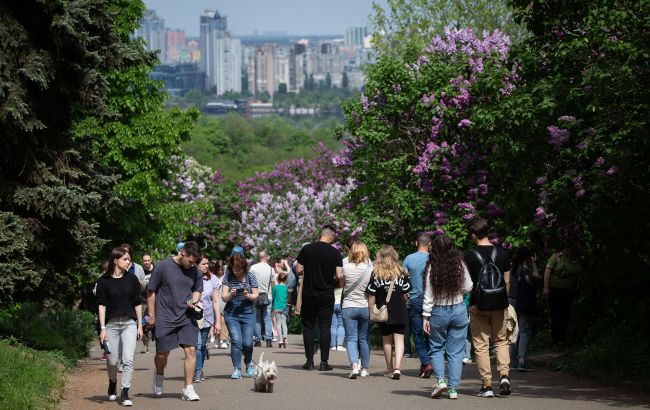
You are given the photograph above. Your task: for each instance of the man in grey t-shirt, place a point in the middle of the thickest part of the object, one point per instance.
(174, 289)
(264, 274)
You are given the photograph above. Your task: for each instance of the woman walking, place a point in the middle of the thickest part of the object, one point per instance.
(211, 315)
(389, 287)
(120, 320)
(444, 313)
(357, 271)
(239, 290)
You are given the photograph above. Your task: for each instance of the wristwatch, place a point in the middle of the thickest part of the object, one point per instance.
(103, 327)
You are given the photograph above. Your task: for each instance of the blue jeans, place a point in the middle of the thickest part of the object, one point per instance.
(201, 348)
(447, 335)
(520, 349)
(241, 327)
(356, 322)
(263, 317)
(421, 344)
(337, 331)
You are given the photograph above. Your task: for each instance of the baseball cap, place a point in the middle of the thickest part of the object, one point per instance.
(237, 249)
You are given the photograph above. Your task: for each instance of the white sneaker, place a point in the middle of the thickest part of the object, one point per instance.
(439, 389)
(275, 339)
(157, 384)
(333, 348)
(212, 339)
(224, 345)
(467, 360)
(189, 394)
(364, 373)
(353, 374)
(341, 349)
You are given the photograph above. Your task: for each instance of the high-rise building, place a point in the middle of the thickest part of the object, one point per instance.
(221, 53)
(262, 70)
(152, 30)
(354, 36)
(175, 43)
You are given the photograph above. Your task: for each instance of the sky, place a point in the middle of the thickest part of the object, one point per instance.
(295, 17)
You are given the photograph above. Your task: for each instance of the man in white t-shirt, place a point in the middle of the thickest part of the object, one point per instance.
(264, 274)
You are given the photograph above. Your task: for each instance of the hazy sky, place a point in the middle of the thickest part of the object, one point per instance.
(246, 16)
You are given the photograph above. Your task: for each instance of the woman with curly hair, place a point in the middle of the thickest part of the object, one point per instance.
(444, 313)
(388, 273)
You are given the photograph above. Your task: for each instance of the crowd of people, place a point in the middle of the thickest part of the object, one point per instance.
(437, 295)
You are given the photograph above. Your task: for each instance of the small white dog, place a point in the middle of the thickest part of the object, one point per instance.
(265, 375)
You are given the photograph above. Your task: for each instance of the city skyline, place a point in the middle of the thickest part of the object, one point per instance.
(247, 17)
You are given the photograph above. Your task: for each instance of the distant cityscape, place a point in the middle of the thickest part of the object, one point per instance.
(218, 62)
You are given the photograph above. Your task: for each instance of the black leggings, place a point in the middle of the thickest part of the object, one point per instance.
(318, 308)
(560, 302)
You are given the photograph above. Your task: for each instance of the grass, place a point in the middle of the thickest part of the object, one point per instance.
(30, 379)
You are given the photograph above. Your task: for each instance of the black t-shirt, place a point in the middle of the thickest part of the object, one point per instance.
(320, 260)
(474, 266)
(397, 311)
(119, 295)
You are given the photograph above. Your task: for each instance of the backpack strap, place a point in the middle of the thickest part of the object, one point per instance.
(494, 254)
(478, 256)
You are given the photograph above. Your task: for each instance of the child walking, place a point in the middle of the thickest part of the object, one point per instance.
(280, 295)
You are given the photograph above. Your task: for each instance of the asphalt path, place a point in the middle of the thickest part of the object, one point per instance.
(300, 389)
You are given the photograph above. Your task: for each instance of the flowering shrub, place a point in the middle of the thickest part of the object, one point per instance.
(415, 149)
(281, 223)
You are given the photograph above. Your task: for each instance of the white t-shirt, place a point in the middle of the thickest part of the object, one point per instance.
(351, 273)
(264, 274)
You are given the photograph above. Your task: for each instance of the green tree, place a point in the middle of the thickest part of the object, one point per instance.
(53, 56)
(415, 22)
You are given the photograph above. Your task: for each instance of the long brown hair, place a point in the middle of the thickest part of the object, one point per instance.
(116, 253)
(445, 269)
(387, 265)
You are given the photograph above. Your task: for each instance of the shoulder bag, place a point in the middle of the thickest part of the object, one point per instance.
(380, 315)
(263, 298)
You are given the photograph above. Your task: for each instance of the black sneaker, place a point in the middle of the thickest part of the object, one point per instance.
(112, 390)
(324, 367)
(125, 397)
(257, 344)
(308, 366)
(504, 389)
(485, 391)
(269, 343)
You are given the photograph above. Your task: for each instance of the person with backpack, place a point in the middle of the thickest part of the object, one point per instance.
(489, 269)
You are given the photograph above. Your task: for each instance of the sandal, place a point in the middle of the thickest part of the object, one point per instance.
(388, 372)
(396, 374)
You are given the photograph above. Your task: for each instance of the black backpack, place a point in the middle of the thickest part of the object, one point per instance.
(490, 291)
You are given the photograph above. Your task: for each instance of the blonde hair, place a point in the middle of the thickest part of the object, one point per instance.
(388, 265)
(358, 253)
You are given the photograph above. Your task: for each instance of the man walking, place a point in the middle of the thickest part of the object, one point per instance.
(488, 305)
(174, 288)
(415, 264)
(264, 274)
(321, 265)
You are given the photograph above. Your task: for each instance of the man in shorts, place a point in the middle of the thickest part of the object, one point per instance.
(173, 290)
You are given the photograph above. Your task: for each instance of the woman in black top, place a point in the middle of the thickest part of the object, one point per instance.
(120, 319)
(387, 269)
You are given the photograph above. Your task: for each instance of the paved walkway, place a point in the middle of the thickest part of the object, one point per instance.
(300, 389)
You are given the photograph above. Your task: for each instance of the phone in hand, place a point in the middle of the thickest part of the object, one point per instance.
(106, 347)
(240, 291)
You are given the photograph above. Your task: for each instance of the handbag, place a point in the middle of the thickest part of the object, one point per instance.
(355, 284)
(380, 315)
(263, 297)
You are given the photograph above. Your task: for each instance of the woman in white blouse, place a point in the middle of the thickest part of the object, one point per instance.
(444, 312)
